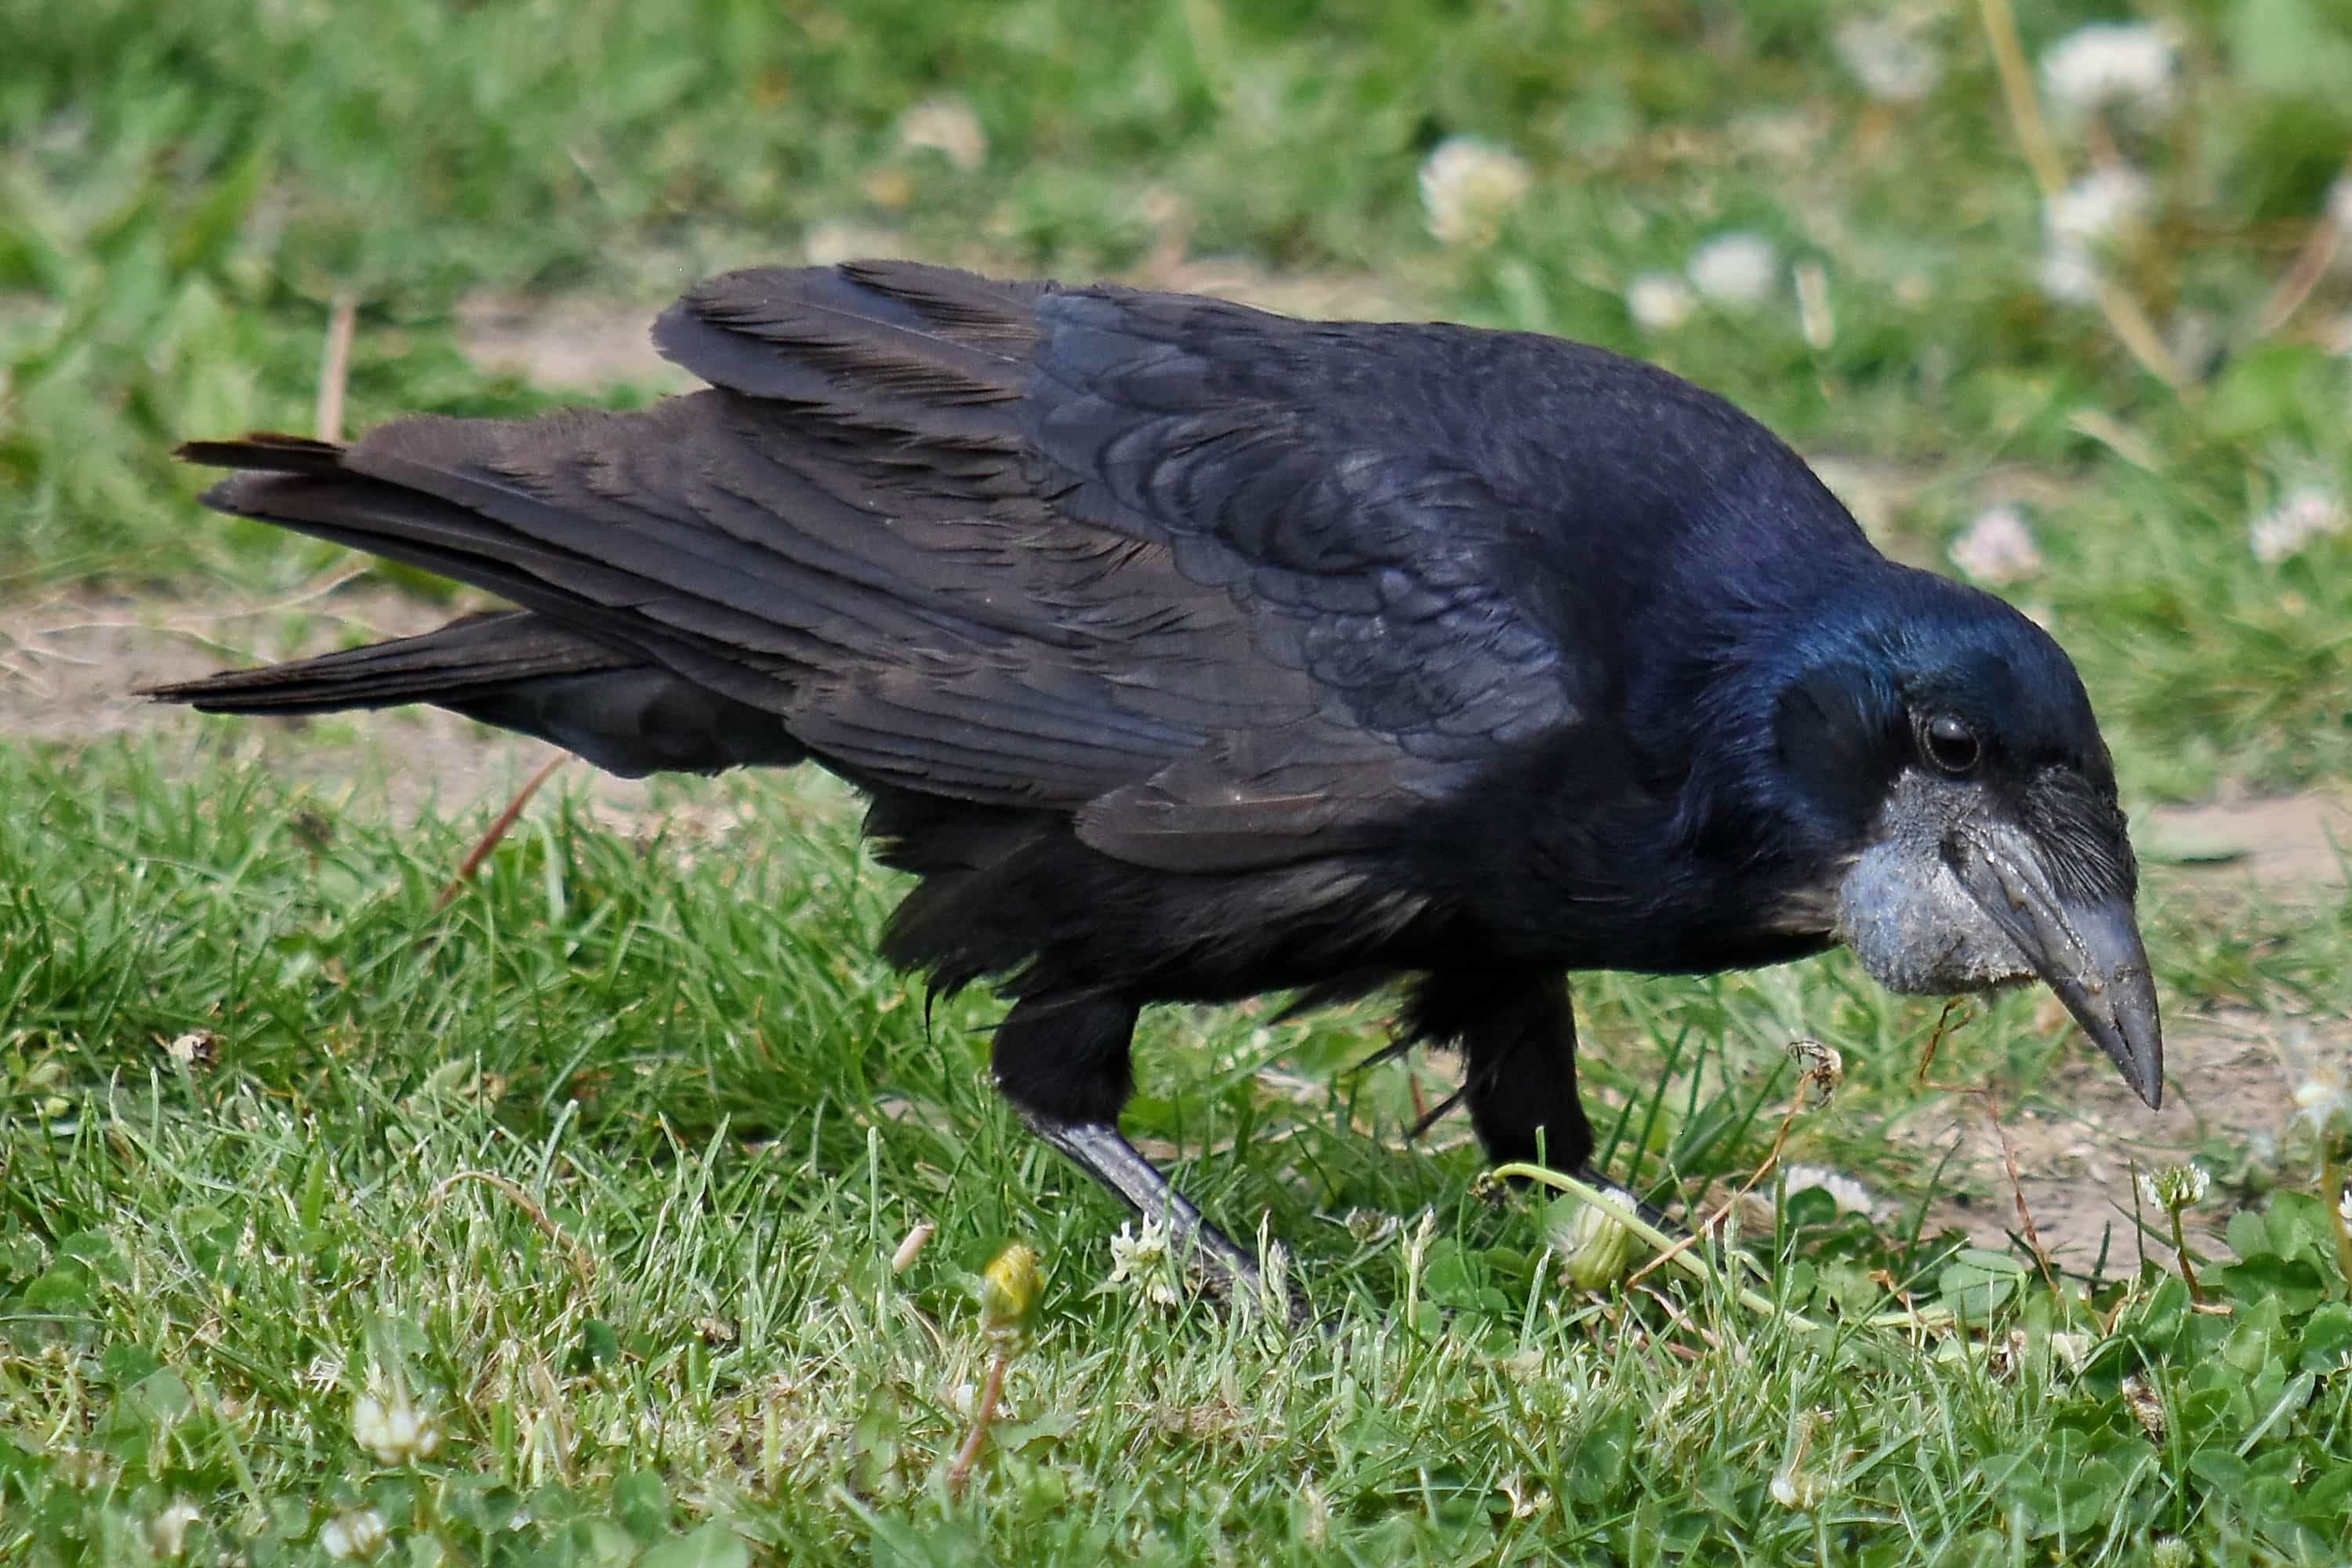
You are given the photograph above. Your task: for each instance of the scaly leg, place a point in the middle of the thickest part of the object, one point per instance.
(1103, 1152)
(1062, 1061)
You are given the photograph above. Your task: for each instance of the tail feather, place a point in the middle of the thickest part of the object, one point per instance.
(269, 450)
(482, 651)
(522, 672)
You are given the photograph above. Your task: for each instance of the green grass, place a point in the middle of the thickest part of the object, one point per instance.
(680, 1052)
(688, 1061)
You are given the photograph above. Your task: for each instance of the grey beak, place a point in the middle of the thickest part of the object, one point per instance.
(2088, 952)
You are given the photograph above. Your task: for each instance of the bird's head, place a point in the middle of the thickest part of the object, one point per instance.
(1940, 749)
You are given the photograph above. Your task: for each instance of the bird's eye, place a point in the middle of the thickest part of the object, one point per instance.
(1951, 744)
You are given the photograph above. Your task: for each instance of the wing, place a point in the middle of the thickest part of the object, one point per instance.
(1307, 471)
(1171, 565)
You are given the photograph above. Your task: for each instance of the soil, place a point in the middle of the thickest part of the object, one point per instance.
(71, 666)
(2079, 1142)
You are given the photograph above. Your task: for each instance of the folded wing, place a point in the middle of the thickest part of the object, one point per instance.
(1128, 556)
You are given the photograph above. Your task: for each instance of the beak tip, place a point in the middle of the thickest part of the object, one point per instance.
(2138, 1050)
(2135, 1043)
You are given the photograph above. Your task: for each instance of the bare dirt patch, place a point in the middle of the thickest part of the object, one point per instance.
(2079, 1143)
(71, 666)
(574, 343)
(585, 343)
(2291, 843)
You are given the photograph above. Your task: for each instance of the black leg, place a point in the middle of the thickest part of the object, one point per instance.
(1517, 1032)
(1063, 1062)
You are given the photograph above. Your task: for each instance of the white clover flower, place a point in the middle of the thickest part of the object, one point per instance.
(946, 126)
(1887, 57)
(1997, 548)
(1659, 301)
(2092, 208)
(1850, 1195)
(1141, 1263)
(2077, 222)
(359, 1534)
(1467, 186)
(2288, 528)
(2170, 1551)
(1798, 1489)
(2069, 276)
(1738, 269)
(168, 1530)
(2127, 65)
(387, 1424)
(2175, 1187)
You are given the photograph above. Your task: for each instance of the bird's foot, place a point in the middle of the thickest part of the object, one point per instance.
(1216, 1262)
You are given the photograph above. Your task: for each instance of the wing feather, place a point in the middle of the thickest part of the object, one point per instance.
(1177, 568)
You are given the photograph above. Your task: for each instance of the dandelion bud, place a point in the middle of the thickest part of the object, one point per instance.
(1009, 1288)
(1468, 187)
(1597, 1249)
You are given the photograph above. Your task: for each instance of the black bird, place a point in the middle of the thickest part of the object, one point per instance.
(1187, 652)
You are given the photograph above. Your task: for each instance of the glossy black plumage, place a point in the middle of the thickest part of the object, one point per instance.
(1190, 652)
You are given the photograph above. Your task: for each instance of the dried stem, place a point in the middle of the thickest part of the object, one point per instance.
(2128, 321)
(335, 368)
(1771, 1161)
(2310, 265)
(2017, 91)
(990, 1391)
(497, 830)
(580, 1267)
(2007, 1148)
